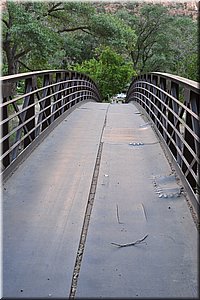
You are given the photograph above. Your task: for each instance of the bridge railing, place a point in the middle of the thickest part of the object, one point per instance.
(173, 104)
(33, 103)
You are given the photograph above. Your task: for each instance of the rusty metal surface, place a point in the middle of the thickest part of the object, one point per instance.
(44, 203)
(127, 207)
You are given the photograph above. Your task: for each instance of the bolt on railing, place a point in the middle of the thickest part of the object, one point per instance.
(173, 104)
(33, 103)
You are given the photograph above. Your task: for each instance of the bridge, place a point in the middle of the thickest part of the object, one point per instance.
(99, 199)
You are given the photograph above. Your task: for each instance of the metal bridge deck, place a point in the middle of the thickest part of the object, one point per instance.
(45, 200)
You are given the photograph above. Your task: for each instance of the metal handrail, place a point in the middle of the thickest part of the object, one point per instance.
(173, 104)
(47, 97)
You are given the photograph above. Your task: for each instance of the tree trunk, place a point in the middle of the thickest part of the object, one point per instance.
(12, 65)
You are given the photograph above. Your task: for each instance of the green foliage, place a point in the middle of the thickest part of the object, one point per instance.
(109, 70)
(41, 33)
(104, 25)
(149, 26)
(164, 43)
(26, 29)
(184, 48)
(52, 35)
(26, 37)
(78, 47)
(193, 67)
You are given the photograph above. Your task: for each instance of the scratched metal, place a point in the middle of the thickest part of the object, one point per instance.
(166, 186)
(126, 208)
(44, 204)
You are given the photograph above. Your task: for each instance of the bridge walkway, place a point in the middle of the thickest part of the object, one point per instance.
(103, 163)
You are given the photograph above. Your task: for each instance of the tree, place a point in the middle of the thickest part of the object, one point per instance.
(43, 35)
(23, 34)
(184, 48)
(164, 42)
(37, 35)
(109, 70)
(33, 31)
(103, 29)
(149, 26)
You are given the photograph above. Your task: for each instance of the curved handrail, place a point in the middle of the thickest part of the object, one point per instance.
(45, 98)
(173, 104)
(193, 85)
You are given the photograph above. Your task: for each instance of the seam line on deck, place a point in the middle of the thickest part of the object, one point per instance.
(86, 221)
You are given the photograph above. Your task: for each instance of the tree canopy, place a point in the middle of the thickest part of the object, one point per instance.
(109, 69)
(85, 35)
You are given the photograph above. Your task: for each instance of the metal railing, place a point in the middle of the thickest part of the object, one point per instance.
(34, 103)
(173, 104)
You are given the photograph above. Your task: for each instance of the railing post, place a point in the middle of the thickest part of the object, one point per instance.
(163, 86)
(177, 120)
(154, 80)
(192, 102)
(83, 92)
(71, 89)
(46, 103)
(173, 89)
(63, 86)
(5, 131)
(57, 96)
(74, 83)
(66, 92)
(195, 106)
(24, 125)
(30, 85)
(75, 89)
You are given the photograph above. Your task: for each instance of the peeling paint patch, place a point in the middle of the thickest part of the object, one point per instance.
(148, 124)
(166, 186)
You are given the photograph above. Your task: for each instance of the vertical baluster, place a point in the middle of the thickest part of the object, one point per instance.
(189, 98)
(176, 122)
(45, 104)
(5, 131)
(172, 90)
(155, 101)
(30, 85)
(74, 88)
(65, 93)
(57, 96)
(163, 107)
(195, 106)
